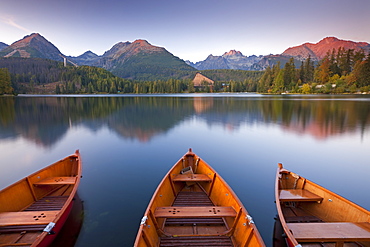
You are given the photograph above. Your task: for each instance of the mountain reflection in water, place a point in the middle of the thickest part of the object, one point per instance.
(44, 120)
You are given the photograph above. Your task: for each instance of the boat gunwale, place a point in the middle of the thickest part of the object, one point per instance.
(283, 223)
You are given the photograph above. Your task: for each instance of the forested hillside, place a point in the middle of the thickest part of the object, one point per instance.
(35, 75)
(340, 71)
(153, 66)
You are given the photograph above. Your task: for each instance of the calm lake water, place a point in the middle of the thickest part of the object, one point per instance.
(129, 143)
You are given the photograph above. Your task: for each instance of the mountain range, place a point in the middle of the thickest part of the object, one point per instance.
(236, 60)
(137, 60)
(229, 60)
(142, 61)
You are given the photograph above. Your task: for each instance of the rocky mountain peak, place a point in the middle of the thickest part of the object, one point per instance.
(232, 53)
(27, 40)
(141, 42)
(89, 53)
(129, 49)
(33, 45)
(319, 50)
(329, 40)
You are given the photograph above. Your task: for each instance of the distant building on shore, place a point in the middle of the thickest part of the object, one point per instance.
(201, 81)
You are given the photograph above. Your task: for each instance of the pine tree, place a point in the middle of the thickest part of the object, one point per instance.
(57, 89)
(113, 88)
(5, 82)
(266, 80)
(278, 86)
(364, 75)
(289, 74)
(309, 69)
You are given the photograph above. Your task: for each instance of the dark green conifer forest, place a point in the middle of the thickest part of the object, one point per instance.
(340, 71)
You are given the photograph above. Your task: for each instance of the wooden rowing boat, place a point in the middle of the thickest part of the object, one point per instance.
(34, 209)
(314, 216)
(194, 206)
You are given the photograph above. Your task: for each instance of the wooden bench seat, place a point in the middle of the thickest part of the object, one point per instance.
(191, 178)
(330, 232)
(57, 180)
(27, 218)
(298, 195)
(194, 212)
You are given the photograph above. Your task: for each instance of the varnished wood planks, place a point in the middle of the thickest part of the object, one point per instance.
(191, 178)
(27, 218)
(48, 203)
(298, 195)
(330, 232)
(57, 180)
(196, 241)
(191, 212)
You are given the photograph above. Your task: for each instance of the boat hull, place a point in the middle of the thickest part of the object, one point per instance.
(49, 238)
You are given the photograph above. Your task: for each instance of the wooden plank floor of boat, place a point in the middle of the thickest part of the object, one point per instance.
(297, 215)
(178, 226)
(196, 241)
(48, 203)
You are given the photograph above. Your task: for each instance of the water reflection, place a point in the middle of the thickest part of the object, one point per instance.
(72, 227)
(45, 120)
(129, 143)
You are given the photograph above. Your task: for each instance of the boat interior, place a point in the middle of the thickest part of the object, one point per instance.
(195, 228)
(318, 217)
(200, 211)
(28, 206)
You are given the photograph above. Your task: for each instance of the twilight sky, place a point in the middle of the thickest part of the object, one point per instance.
(189, 29)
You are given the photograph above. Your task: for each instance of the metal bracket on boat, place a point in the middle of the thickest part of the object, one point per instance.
(143, 220)
(49, 228)
(250, 219)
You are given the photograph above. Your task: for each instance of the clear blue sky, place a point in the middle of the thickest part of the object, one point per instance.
(189, 29)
